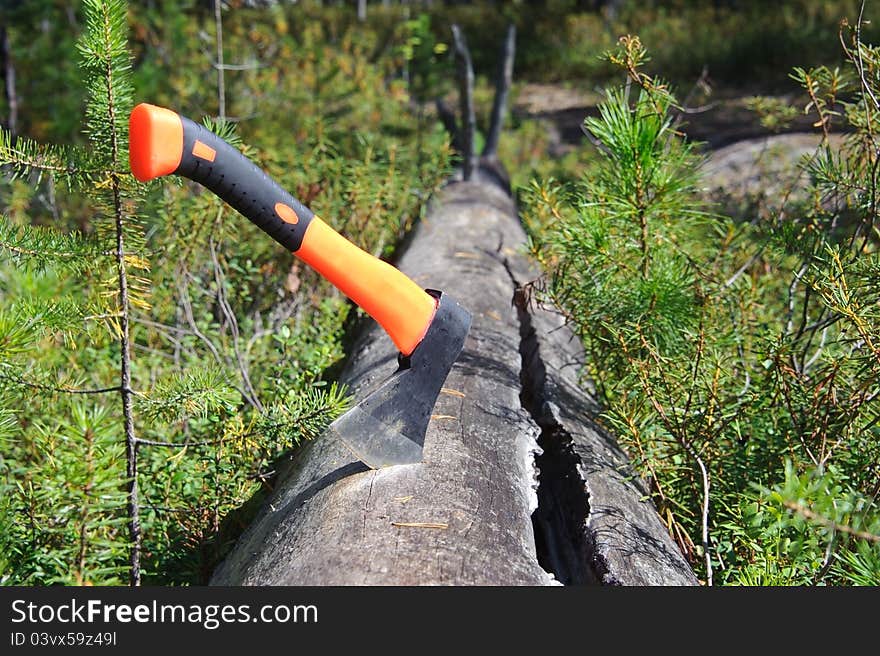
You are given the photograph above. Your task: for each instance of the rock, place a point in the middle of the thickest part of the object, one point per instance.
(767, 166)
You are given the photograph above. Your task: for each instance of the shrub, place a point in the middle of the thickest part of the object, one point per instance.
(736, 360)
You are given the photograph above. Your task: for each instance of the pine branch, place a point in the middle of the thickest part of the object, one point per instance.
(81, 480)
(192, 393)
(63, 315)
(39, 247)
(304, 416)
(24, 157)
(28, 320)
(15, 376)
(107, 63)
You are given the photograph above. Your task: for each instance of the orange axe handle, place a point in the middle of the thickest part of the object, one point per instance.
(163, 142)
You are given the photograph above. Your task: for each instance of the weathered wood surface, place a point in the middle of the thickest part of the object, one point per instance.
(464, 515)
(618, 538)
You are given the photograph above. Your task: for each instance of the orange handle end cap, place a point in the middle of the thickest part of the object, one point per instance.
(155, 141)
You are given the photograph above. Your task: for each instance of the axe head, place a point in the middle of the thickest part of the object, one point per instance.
(388, 427)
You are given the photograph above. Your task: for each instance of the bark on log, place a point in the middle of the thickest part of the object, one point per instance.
(464, 515)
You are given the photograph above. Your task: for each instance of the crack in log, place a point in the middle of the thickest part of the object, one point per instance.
(560, 521)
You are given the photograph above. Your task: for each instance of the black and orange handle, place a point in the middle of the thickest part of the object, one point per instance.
(162, 142)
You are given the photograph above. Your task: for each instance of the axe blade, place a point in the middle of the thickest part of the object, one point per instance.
(388, 427)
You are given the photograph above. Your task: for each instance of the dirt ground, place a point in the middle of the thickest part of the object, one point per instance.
(743, 157)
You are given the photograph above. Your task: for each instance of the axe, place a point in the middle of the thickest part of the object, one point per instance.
(428, 327)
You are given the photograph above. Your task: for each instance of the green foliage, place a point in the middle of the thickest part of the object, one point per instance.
(37, 247)
(427, 72)
(775, 113)
(737, 361)
(234, 344)
(195, 393)
(64, 523)
(748, 41)
(303, 415)
(50, 96)
(26, 157)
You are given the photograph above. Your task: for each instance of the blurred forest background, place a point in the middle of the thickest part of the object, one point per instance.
(699, 183)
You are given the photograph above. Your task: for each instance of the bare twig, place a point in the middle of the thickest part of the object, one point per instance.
(861, 63)
(827, 560)
(239, 67)
(789, 327)
(186, 304)
(176, 445)
(704, 517)
(745, 267)
(701, 109)
(231, 320)
(858, 60)
(698, 358)
(681, 111)
(809, 363)
(824, 118)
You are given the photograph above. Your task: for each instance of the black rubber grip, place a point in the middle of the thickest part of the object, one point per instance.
(210, 161)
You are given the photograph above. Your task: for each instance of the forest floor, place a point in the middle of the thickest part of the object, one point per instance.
(743, 157)
(718, 120)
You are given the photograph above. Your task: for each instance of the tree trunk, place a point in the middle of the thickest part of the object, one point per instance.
(9, 81)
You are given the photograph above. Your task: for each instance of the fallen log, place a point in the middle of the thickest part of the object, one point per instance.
(518, 484)
(465, 515)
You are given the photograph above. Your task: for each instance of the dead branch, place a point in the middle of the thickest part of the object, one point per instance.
(466, 101)
(502, 90)
(447, 117)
